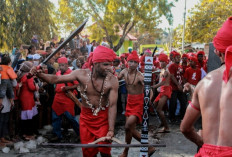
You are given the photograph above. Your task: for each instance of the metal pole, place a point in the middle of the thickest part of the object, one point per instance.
(183, 28)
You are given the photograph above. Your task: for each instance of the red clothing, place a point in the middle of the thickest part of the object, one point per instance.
(61, 102)
(91, 128)
(177, 71)
(134, 106)
(193, 76)
(164, 90)
(7, 72)
(202, 65)
(26, 95)
(208, 150)
(184, 67)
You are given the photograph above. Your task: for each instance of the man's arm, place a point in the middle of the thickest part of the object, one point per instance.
(113, 96)
(191, 116)
(162, 82)
(121, 74)
(53, 79)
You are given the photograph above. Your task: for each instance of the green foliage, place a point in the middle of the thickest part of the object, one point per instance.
(111, 16)
(21, 19)
(206, 18)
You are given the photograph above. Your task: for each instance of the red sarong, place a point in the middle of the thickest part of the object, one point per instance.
(164, 90)
(92, 128)
(134, 106)
(208, 150)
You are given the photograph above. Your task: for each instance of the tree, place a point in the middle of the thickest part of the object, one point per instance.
(112, 16)
(21, 19)
(206, 18)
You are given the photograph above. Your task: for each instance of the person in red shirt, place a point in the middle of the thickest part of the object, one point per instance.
(62, 104)
(192, 74)
(176, 72)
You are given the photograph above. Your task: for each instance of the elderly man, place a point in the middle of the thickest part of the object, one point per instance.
(211, 100)
(99, 91)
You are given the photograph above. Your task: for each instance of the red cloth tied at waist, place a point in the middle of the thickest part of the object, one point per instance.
(228, 63)
(164, 90)
(208, 150)
(134, 106)
(91, 128)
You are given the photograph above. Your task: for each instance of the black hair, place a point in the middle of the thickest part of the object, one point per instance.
(5, 59)
(30, 48)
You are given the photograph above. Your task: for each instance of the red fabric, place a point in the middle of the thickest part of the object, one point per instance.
(62, 60)
(177, 71)
(193, 59)
(228, 63)
(200, 53)
(193, 76)
(91, 128)
(185, 55)
(208, 150)
(61, 102)
(103, 54)
(175, 54)
(163, 58)
(133, 56)
(26, 95)
(184, 67)
(202, 65)
(223, 38)
(164, 90)
(134, 106)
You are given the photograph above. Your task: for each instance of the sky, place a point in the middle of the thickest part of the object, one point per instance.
(177, 11)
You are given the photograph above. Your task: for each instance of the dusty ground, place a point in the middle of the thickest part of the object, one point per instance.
(176, 144)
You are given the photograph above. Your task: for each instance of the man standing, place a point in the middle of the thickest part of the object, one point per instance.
(63, 105)
(99, 92)
(84, 49)
(212, 100)
(134, 108)
(165, 92)
(176, 72)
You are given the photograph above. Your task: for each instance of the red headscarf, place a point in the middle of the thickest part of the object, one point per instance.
(175, 54)
(103, 54)
(62, 60)
(163, 58)
(200, 53)
(193, 59)
(228, 63)
(223, 39)
(133, 56)
(185, 55)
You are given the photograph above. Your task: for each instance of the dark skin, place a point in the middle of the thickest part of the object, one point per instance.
(160, 104)
(214, 109)
(134, 84)
(176, 61)
(100, 71)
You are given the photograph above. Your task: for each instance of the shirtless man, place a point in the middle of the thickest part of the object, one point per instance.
(211, 100)
(134, 108)
(99, 92)
(165, 92)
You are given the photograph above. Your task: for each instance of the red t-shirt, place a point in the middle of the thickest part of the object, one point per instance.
(203, 65)
(177, 71)
(193, 76)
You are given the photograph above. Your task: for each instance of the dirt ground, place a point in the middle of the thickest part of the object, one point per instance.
(176, 144)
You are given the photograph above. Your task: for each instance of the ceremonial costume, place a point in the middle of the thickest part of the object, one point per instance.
(94, 126)
(208, 150)
(193, 76)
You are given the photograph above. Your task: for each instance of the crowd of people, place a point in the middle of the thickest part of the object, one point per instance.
(104, 84)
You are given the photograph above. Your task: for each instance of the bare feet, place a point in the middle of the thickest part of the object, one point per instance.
(164, 130)
(151, 151)
(124, 154)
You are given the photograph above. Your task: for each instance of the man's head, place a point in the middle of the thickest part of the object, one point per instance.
(63, 64)
(176, 57)
(102, 58)
(184, 58)
(5, 59)
(171, 56)
(88, 41)
(84, 44)
(193, 62)
(163, 58)
(31, 49)
(133, 60)
(200, 56)
(116, 62)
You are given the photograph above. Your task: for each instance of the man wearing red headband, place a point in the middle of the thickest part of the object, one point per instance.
(201, 62)
(63, 105)
(165, 91)
(134, 108)
(99, 92)
(212, 100)
(176, 72)
(184, 62)
(192, 74)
